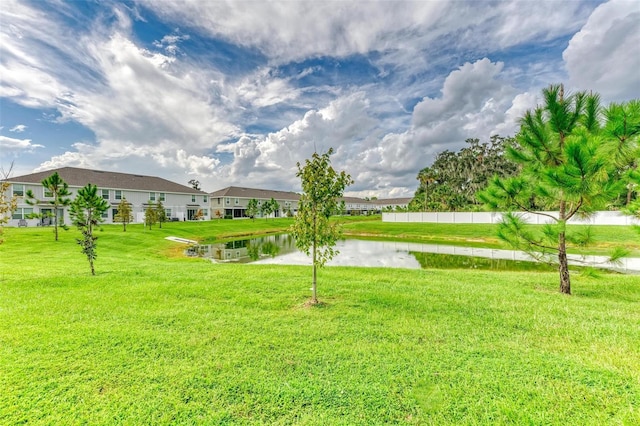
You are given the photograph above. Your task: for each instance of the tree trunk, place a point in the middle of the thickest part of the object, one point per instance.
(563, 265)
(314, 297)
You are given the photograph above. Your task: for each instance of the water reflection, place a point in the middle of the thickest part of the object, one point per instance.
(281, 249)
(247, 250)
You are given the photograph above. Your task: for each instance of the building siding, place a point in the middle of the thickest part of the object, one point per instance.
(180, 204)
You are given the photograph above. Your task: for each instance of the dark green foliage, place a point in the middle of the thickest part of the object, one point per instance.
(86, 213)
(566, 165)
(450, 184)
(195, 184)
(622, 131)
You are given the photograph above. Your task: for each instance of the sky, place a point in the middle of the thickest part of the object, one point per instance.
(239, 92)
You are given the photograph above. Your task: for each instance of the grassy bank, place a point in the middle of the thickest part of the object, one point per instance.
(484, 235)
(159, 338)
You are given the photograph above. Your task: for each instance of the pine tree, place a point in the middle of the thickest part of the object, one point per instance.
(560, 151)
(59, 189)
(86, 213)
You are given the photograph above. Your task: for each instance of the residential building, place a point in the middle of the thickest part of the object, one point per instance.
(392, 204)
(358, 206)
(231, 202)
(180, 202)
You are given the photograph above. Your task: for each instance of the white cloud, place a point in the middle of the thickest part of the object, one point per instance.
(157, 110)
(604, 55)
(12, 144)
(262, 89)
(19, 128)
(291, 31)
(476, 101)
(170, 43)
(343, 125)
(147, 109)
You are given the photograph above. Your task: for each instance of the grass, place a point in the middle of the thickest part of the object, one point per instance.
(158, 338)
(484, 235)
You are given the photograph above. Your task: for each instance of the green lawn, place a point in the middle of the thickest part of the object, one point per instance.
(484, 235)
(157, 338)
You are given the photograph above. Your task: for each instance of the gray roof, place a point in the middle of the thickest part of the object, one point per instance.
(108, 180)
(380, 201)
(262, 194)
(392, 201)
(354, 200)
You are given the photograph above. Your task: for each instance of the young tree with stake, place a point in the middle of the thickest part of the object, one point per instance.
(59, 189)
(86, 213)
(8, 203)
(322, 186)
(161, 213)
(124, 214)
(252, 208)
(150, 215)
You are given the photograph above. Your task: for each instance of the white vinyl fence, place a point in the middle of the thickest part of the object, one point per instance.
(599, 218)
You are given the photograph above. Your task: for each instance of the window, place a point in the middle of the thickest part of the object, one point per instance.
(227, 201)
(152, 196)
(204, 199)
(22, 213)
(105, 214)
(237, 201)
(193, 198)
(18, 190)
(105, 194)
(118, 194)
(168, 213)
(162, 197)
(47, 193)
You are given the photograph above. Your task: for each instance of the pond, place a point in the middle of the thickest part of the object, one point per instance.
(281, 249)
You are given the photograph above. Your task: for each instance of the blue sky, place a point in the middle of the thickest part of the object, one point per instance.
(236, 93)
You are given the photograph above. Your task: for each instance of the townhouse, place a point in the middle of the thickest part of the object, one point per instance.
(231, 202)
(180, 202)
